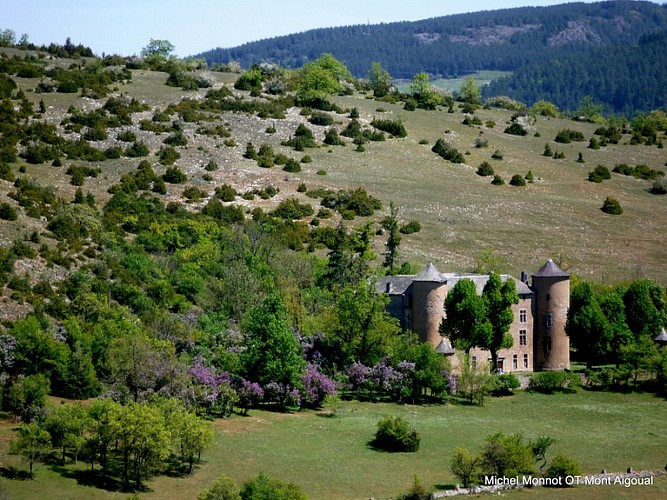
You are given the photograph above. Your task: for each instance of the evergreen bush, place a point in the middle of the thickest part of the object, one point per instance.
(395, 435)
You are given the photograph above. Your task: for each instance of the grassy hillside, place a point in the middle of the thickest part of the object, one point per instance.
(462, 214)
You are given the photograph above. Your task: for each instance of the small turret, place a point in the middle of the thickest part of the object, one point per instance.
(552, 289)
(429, 290)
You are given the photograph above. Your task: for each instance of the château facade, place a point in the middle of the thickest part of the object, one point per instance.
(538, 329)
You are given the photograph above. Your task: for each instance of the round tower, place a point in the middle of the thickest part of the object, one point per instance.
(552, 291)
(429, 290)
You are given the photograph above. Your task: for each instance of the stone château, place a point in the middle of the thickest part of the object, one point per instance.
(538, 329)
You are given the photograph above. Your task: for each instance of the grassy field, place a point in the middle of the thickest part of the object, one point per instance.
(454, 84)
(330, 459)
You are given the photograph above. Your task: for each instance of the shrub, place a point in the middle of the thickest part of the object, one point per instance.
(471, 120)
(395, 435)
(566, 136)
(174, 175)
(306, 159)
(485, 169)
(291, 209)
(516, 129)
(481, 142)
(447, 151)
(411, 227)
(504, 384)
(137, 150)
(168, 155)
(332, 138)
(559, 155)
(529, 177)
(320, 118)
(507, 455)
(393, 127)
(211, 166)
(264, 488)
(7, 212)
(660, 186)
(302, 138)
(176, 139)
(550, 382)
(498, 155)
(497, 181)
(193, 193)
(224, 488)
(463, 465)
(417, 491)
(517, 180)
(225, 192)
(159, 186)
(561, 467)
(611, 206)
(292, 166)
(599, 174)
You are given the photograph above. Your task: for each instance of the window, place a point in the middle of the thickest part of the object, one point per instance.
(474, 362)
(547, 296)
(525, 360)
(547, 346)
(522, 316)
(549, 320)
(523, 338)
(515, 361)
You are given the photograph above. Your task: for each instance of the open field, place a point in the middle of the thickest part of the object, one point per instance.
(454, 84)
(329, 458)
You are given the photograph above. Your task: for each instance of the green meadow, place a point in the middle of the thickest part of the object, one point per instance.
(327, 454)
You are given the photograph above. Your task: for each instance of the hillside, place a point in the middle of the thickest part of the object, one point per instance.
(505, 40)
(462, 215)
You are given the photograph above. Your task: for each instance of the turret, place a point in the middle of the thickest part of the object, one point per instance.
(429, 290)
(552, 346)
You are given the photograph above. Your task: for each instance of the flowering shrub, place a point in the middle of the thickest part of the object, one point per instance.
(213, 394)
(316, 387)
(250, 394)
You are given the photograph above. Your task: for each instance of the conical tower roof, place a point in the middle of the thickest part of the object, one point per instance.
(430, 274)
(661, 338)
(550, 270)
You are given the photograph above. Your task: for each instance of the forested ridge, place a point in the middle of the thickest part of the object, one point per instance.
(634, 81)
(508, 40)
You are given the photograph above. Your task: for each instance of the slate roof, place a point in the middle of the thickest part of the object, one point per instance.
(430, 274)
(400, 284)
(661, 337)
(550, 270)
(445, 347)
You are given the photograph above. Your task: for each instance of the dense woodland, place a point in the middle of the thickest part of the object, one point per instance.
(170, 312)
(550, 48)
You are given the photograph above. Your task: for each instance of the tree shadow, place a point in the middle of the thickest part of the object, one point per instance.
(174, 467)
(90, 478)
(12, 472)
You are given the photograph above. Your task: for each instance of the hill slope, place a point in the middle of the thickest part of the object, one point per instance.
(508, 40)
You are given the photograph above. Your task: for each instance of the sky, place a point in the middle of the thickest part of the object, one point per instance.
(124, 27)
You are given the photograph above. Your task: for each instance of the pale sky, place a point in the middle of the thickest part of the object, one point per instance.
(124, 27)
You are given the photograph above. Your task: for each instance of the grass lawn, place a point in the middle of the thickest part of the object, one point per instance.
(330, 459)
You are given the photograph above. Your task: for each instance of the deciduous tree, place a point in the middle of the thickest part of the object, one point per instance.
(32, 443)
(499, 297)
